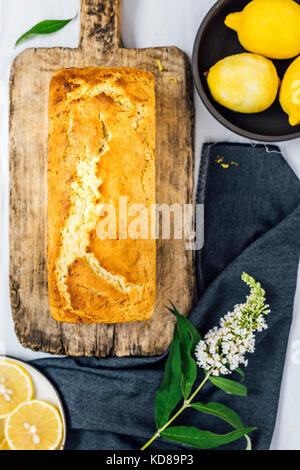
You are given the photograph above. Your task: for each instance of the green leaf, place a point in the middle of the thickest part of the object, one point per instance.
(202, 439)
(229, 386)
(220, 411)
(169, 393)
(44, 27)
(188, 363)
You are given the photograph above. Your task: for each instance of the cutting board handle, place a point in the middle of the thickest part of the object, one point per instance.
(100, 24)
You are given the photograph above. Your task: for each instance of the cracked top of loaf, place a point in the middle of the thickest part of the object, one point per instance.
(101, 152)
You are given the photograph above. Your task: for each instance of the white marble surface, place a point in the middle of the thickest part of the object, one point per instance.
(146, 23)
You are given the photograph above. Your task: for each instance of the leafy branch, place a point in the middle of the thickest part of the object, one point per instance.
(187, 351)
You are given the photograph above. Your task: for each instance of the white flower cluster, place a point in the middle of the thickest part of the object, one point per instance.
(223, 348)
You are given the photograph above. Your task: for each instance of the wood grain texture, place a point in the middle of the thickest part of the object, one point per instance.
(100, 45)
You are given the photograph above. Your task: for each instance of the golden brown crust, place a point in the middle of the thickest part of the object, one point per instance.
(101, 147)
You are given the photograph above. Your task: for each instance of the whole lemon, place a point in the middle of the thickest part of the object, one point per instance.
(289, 95)
(268, 27)
(246, 83)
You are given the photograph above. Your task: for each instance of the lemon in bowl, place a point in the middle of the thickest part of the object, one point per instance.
(244, 83)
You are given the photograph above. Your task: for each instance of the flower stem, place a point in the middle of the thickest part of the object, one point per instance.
(185, 405)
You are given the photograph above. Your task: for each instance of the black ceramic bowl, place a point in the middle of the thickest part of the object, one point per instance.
(213, 42)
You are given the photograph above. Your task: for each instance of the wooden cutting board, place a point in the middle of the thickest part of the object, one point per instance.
(100, 45)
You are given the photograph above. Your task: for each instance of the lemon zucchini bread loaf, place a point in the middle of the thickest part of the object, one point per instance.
(101, 149)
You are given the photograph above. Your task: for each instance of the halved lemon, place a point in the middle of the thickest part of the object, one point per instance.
(15, 387)
(34, 425)
(4, 445)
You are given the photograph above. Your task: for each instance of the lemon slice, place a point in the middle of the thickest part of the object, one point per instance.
(34, 425)
(15, 387)
(4, 445)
